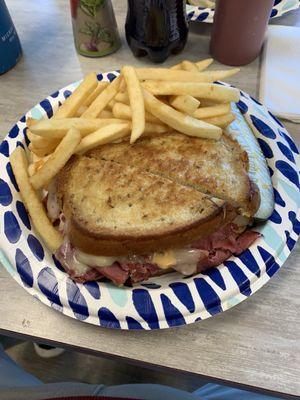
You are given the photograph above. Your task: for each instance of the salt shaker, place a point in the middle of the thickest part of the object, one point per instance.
(94, 27)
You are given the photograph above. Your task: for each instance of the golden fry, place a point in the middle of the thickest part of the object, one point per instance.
(122, 97)
(103, 99)
(211, 91)
(41, 143)
(176, 66)
(57, 160)
(222, 120)
(111, 104)
(203, 64)
(167, 74)
(154, 128)
(104, 135)
(31, 121)
(40, 220)
(106, 114)
(41, 152)
(100, 87)
(185, 103)
(212, 111)
(36, 165)
(182, 123)
(136, 101)
(80, 111)
(189, 66)
(77, 98)
(123, 111)
(58, 128)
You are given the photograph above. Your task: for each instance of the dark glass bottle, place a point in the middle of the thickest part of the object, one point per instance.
(156, 28)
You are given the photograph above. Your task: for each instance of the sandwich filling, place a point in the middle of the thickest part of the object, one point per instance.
(210, 251)
(201, 255)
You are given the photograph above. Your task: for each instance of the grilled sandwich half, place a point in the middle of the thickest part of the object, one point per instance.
(169, 201)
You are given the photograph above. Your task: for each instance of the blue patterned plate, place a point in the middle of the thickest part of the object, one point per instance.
(207, 14)
(168, 300)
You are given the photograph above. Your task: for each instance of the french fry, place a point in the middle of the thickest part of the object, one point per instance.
(106, 114)
(40, 143)
(122, 86)
(123, 111)
(39, 146)
(111, 104)
(32, 169)
(211, 91)
(103, 99)
(207, 102)
(81, 110)
(167, 74)
(30, 135)
(31, 121)
(36, 165)
(72, 103)
(57, 160)
(100, 87)
(58, 128)
(222, 120)
(200, 65)
(185, 103)
(212, 111)
(151, 127)
(41, 222)
(41, 152)
(189, 66)
(176, 66)
(136, 101)
(103, 135)
(151, 118)
(35, 158)
(182, 123)
(203, 64)
(122, 97)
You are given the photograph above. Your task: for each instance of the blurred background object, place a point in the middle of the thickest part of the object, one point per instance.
(94, 27)
(239, 29)
(156, 28)
(10, 47)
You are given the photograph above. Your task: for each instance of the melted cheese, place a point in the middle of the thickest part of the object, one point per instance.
(93, 261)
(182, 260)
(164, 260)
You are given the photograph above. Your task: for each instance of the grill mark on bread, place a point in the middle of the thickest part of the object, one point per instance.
(219, 169)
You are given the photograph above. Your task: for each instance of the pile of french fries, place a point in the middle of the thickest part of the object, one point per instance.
(140, 101)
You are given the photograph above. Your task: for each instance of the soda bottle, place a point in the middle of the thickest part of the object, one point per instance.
(156, 28)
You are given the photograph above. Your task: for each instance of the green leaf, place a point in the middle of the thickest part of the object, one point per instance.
(91, 7)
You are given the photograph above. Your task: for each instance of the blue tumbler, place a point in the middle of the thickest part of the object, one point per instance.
(10, 47)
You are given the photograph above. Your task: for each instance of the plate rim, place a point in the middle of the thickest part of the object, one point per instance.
(189, 317)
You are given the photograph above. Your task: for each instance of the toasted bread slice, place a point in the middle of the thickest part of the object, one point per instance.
(115, 209)
(217, 168)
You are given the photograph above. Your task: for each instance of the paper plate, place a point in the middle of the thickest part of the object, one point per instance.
(169, 300)
(200, 14)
